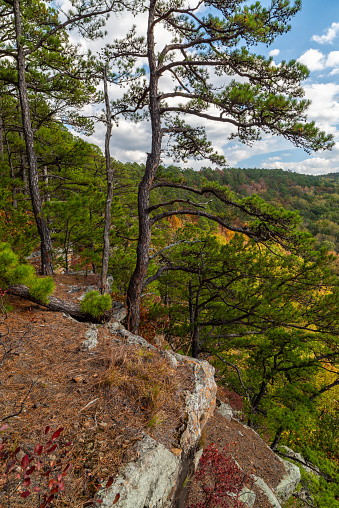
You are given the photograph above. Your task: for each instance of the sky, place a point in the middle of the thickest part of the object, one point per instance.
(313, 41)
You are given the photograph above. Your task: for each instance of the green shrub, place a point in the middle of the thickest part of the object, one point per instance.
(14, 272)
(95, 304)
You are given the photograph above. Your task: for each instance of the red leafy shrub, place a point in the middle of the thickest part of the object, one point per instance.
(39, 474)
(217, 482)
(234, 400)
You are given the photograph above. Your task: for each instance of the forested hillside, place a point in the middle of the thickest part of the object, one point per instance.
(315, 198)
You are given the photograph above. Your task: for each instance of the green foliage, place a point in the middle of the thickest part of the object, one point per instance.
(40, 288)
(95, 304)
(13, 272)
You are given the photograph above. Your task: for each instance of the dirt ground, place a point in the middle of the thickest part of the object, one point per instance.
(104, 399)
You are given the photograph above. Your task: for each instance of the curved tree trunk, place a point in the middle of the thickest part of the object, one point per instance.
(57, 305)
(153, 160)
(45, 236)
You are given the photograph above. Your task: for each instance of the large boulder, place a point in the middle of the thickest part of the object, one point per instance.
(156, 475)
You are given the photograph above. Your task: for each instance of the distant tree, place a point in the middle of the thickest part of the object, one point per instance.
(38, 58)
(205, 48)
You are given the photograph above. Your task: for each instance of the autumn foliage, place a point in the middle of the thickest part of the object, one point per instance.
(40, 473)
(217, 482)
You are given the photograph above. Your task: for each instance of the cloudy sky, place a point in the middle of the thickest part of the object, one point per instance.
(314, 41)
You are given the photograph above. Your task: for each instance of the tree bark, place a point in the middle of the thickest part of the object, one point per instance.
(45, 236)
(1, 132)
(12, 173)
(57, 305)
(194, 316)
(110, 188)
(134, 291)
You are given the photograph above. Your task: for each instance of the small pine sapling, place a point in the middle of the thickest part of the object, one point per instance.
(218, 481)
(96, 304)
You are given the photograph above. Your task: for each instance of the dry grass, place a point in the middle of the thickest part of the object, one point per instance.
(105, 399)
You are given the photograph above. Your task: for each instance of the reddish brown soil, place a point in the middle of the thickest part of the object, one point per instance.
(103, 398)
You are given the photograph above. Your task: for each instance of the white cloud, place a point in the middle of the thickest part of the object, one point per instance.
(273, 159)
(333, 59)
(274, 52)
(313, 166)
(325, 106)
(313, 59)
(329, 36)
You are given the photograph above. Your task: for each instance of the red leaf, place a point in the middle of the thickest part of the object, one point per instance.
(57, 433)
(61, 485)
(51, 449)
(39, 465)
(30, 470)
(36, 489)
(25, 494)
(38, 449)
(50, 498)
(24, 461)
(4, 427)
(10, 466)
(69, 443)
(27, 482)
(116, 499)
(17, 450)
(1, 447)
(51, 484)
(48, 444)
(67, 468)
(47, 429)
(110, 481)
(55, 490)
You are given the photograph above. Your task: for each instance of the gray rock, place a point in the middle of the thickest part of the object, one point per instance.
(247, 497)
(118, 311)
(131, 339)
(147, 482)
(173, 362)
(267, 491)
(88, 289)
(200, 404)
(109, 283)
(91, 337)
(197, 457)
(225, 410)
(67, 316)
(74, 289)
(289, 482)
(307, 466)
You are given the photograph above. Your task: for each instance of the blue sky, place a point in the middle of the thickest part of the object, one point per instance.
(314, 41)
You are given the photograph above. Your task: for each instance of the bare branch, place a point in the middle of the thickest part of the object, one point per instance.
(188, 201)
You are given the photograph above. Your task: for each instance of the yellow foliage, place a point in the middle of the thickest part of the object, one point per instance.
(175, 222)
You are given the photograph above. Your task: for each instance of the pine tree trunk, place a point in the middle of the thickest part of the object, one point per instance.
(277, 438)
(134, 291)
(1, 133)
(12, 173)
(45, 236)
(110, 188)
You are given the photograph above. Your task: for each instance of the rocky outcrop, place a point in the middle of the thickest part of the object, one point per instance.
(149, 481)
(273, 479)
(155, 478)
(156, 475)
